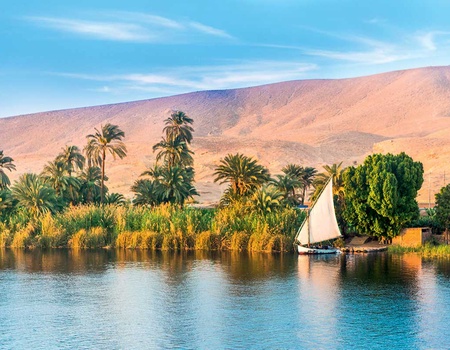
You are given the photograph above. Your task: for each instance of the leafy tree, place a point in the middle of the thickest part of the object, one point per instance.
(72, 157)
(381, 194)
(5, 163)
(7, 202)
(243, 173)
(442, 211)
(33, 194)
(106, 140)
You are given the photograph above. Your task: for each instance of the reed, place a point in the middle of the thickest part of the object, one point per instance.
(427, 250)
(89, 239)
(208, 241)
(51, 235)
(166, 227)
(24, 237)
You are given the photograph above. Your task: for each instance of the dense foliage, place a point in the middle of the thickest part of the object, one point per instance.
(381, 194)
(442, 211)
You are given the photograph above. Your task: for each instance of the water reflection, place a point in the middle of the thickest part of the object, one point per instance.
(204, 300)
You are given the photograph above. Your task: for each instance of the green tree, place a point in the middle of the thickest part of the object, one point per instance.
(145, 193)
(381, 194)
(90, 187)
(287, 185)
(56, 174)
(72, 157)
(295, 172)
(178, 125)
(307, 179)
(174, 185)
(174, 152)
(115, 199)
(5, 163)
(33, 194)
(442, 212)
(266, 199)
(106, 140)
(243, 173)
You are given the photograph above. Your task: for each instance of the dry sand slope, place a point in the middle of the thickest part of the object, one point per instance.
(311, 122)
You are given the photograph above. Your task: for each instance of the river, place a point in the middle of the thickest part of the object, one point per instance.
(68, 299)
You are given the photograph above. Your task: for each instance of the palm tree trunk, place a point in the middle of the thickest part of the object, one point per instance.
(103, 177)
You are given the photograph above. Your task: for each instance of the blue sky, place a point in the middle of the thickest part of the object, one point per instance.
(61, 54)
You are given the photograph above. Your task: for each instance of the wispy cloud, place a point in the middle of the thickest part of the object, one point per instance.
(362, 49)
(375, 56)
(209, 30)
(130, 26)
(429, 40)
(97, 30)
(185, 79)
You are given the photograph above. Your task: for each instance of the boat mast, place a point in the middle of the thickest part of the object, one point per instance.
(309, 228)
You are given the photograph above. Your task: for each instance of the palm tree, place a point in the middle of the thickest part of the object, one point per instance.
(266, 199)
(178, 126)
(91, 179)
(243, 173)
(33, 194)
(287, 185)
(336, 172)
(295, 172)
(174, 152)
(5, 163)
(145, 192)
(108, 139)
(72, 157)
(174, 185)
(115, 199)
(307, 179)
(56, 174)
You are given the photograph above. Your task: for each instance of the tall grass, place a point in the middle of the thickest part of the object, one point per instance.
(166, 227)
(427, 250)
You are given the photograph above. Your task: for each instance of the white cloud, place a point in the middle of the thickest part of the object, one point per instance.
(131, 26)
(97, 30)
(209, 30)
(377, 56)
(186, 79)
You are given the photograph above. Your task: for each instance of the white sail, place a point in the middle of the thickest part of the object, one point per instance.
(321, 224)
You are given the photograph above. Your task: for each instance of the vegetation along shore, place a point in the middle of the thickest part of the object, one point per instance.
(69, 205)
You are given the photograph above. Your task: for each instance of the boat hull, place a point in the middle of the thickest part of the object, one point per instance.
(309, 250)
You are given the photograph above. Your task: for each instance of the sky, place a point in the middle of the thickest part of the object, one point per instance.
(62, 54)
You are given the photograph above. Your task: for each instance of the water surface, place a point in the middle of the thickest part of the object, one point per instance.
(69, 299)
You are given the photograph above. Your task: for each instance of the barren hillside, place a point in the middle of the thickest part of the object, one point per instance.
(310, 122)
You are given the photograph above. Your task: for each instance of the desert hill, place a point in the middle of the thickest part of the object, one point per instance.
(309, 122)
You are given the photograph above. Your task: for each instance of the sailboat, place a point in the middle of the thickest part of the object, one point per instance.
(320, 225)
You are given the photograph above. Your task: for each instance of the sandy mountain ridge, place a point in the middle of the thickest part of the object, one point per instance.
(308, 122)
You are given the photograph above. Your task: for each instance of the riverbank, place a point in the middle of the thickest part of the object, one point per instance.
(427, 250)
